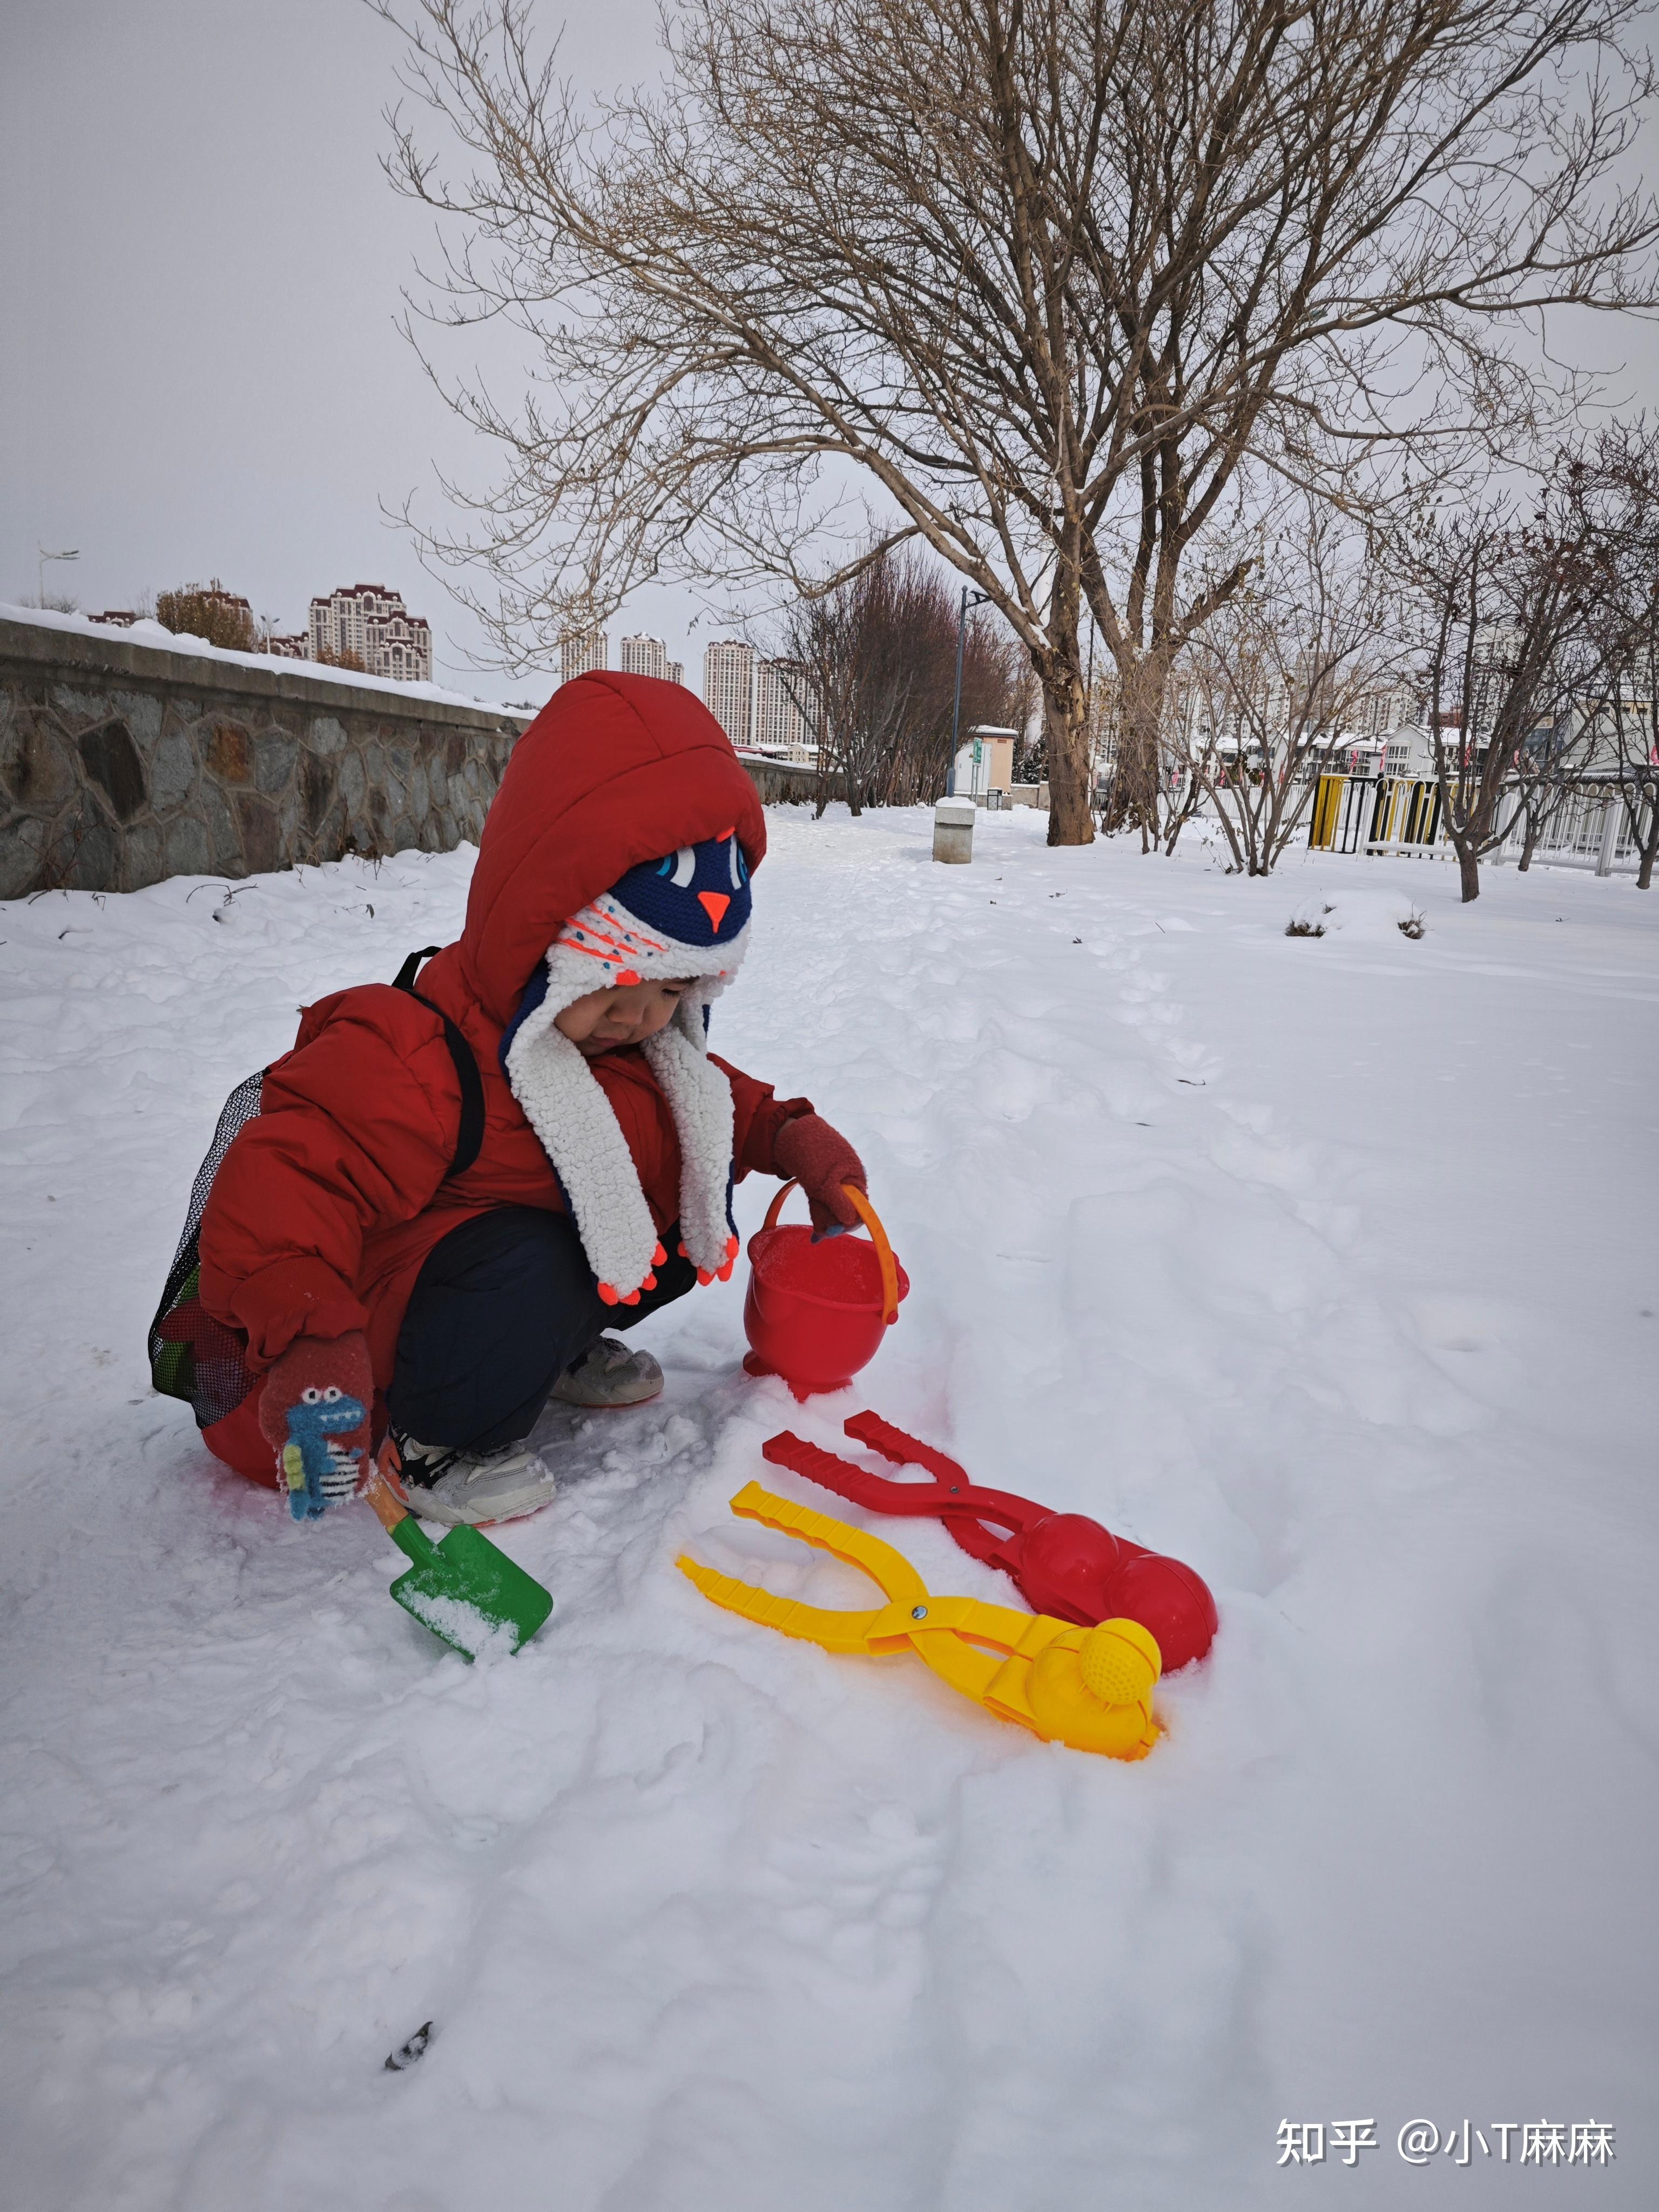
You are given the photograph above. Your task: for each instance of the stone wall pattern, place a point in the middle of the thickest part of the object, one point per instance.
(121, 763)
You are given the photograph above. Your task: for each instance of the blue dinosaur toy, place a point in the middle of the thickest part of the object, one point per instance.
(318, 1468)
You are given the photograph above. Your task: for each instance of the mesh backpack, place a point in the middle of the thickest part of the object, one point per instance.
(195, 1358)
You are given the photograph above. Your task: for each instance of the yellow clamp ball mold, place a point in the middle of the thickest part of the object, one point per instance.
(1090, 1688)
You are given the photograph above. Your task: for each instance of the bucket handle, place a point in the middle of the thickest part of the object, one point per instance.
(872, 1220)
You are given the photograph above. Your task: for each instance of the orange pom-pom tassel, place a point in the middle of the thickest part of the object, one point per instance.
(704, 1277)
(730, 1248)
(725, 1271)
(649, 1283)
(632, 1299)
(608, 1292)
(684, 1254)
(658, 1256)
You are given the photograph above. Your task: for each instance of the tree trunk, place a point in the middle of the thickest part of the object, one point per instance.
(1647, 840)
(1534, 831)
(1065, 739)
(1137, 786)
(1468, 869)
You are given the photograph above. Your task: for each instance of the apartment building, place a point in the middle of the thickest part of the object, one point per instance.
(369, 623)
(644, 656)
(582, 650)
(781, 725)
(728, 686)
(1390, 708)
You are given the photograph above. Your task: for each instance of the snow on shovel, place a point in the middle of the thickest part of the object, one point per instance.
(463, 1589)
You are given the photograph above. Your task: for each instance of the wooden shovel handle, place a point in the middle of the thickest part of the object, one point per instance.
(378, 1492)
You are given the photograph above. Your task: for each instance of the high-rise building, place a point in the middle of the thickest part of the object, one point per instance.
(582, 650)
(644, 656)
(676, 672)
(369, 623)
(1398, 705)
(728, 686)
(783, 725)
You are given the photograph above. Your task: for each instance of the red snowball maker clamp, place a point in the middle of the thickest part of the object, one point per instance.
(1064, 1564)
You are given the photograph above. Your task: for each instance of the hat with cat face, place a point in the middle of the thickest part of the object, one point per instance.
(681, 919)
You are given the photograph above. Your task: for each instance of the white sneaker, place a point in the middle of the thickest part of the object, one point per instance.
(442, 1483)
(609, 1373)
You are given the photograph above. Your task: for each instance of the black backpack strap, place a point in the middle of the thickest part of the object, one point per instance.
(470, 1141)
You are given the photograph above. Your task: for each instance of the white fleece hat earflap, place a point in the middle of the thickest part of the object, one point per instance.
(684, 916)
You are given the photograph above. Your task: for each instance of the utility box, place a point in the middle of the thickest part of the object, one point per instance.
(953, 830)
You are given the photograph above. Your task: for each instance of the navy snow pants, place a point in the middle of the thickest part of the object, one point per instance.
(501, 1307)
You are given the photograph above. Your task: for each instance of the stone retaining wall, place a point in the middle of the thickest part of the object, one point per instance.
(782, 783)
(122, 762)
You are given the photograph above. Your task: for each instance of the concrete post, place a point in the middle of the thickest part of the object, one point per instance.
(953, 830)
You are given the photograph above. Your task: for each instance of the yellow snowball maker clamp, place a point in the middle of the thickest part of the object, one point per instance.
(1088, 1687)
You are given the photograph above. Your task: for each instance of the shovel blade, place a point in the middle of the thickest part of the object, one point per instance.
(465, 1590)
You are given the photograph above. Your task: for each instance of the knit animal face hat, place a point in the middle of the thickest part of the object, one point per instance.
(682, 918)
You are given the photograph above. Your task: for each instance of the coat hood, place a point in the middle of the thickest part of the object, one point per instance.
(614, 771)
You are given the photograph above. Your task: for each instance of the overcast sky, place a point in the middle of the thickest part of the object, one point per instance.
(199, 271)
(199, 267)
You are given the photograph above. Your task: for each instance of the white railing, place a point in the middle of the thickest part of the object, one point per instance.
(1396, 816)
(1590, 828)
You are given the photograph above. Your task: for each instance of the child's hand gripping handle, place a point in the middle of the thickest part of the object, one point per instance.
(812, 1153)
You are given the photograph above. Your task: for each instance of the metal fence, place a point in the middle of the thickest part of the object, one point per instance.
(1375, 814)
(1590, 827)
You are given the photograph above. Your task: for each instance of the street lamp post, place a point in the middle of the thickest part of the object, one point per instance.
(43, 556)
(969, 598)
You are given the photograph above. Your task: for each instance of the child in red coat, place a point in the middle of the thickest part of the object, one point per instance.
(348, 1250)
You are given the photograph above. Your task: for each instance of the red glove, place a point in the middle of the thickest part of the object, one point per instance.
(314, 1412)
(809, 1151)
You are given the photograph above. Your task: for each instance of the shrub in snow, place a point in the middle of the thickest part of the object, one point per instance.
(210, 613)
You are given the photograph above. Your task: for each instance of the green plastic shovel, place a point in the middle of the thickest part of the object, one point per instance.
(463, 1588)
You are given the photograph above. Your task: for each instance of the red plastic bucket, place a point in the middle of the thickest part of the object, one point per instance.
(815, 1314)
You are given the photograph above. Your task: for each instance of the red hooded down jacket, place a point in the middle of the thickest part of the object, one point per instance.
(326, 1205)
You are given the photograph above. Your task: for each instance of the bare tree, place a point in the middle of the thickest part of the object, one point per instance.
(852, 689)
(1280, 672)
(1568, 704)
(1627, 626)
(875, 663)
(1531, 626)
(1636, 749)
(1052, 279)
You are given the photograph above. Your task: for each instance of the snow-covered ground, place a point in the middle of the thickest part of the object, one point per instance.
(1328, 1265)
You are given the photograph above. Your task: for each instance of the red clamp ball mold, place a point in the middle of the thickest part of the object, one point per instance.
(1064, 1564)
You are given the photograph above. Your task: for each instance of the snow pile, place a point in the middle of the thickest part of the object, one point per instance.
(146, 632)
(1328, 1267)
(458, 1622)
